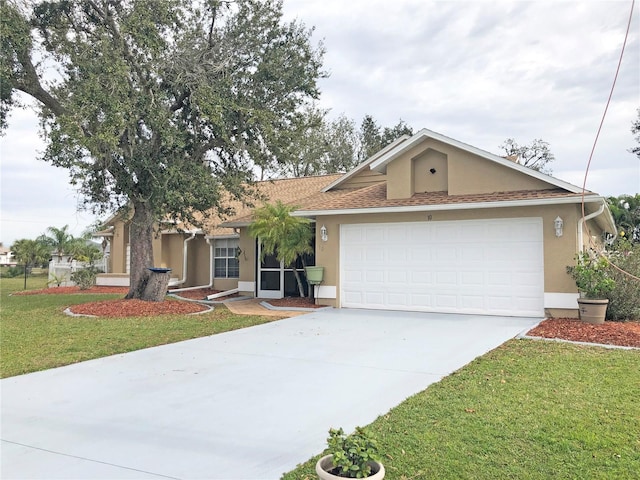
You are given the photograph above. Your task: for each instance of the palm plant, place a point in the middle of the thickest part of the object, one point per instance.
(30, 252)
(59, 240)
(286, 237)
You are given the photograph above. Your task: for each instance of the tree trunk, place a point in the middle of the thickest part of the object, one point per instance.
(141, 247)
(156, 288)
(299, 281)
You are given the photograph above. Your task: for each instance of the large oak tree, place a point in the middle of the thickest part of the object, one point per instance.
(158, 106)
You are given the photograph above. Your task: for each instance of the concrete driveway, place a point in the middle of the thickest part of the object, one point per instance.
(249, 404)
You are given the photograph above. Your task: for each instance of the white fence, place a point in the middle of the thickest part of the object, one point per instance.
(60, 270)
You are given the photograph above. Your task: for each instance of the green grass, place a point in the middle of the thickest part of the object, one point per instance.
(35, 334)
(527, 410)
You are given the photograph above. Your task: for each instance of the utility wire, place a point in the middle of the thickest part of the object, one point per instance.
(595, 142)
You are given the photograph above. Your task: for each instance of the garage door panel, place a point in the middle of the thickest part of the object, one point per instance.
(355, 253)
(374, 298)
(472, 279)
(476, 266)
(447, 278)
(500, 302)
(446, 301)
(353, 235)
(398, 299)
(398, 234)
(444, 232)
(499, 279)
(374, 234)
(398, 255)
(397, 277)
(526, 279)
(374, 276)
(353, 276)
(473, 302)
(421, 299)
(421, 278)
(374, 255)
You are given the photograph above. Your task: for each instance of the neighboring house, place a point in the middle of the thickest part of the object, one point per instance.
(6, 256)
(427, 224)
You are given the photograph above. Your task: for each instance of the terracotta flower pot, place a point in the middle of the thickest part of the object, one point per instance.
(325, 464)
(592, 310)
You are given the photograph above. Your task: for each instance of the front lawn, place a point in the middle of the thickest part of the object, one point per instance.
(35, 334)
(527, 410)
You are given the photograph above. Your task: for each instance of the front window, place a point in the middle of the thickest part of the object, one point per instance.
(226, 264)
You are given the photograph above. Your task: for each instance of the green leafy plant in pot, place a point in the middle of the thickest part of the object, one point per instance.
(594, 284)
(351, 456)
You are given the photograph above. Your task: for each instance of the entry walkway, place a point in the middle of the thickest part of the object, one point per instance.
(247, 404)
(252, 307)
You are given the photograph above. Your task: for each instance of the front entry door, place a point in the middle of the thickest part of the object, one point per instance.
(270, 277)
(276, 281)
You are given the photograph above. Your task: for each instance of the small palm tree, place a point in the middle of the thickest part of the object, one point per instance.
(286, 237)
(59, 240)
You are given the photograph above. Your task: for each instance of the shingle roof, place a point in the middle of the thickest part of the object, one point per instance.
(290, 191)
(375, 196)
(306, 194)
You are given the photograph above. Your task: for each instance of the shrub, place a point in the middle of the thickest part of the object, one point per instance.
(353, 453)
(591, 274)
(57, 280)
(12, 272)
(624, 300)
(84, 278)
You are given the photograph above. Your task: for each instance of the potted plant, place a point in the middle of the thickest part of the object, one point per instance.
(350, 456)
(594, 284)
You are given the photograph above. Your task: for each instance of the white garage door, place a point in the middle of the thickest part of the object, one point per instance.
(492, 267)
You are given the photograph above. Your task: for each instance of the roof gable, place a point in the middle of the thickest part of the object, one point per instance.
(380, 162)
(343, 180)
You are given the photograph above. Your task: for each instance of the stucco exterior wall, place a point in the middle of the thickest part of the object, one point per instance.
(156, 247)
(118, 248)
(469, 174)
(247, 280)
(558, 251)
(198, 262)
(171, 253)
(430, 172)
(457, 171)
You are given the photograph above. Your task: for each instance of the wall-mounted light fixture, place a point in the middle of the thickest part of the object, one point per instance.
(558, 223)
(323, 233)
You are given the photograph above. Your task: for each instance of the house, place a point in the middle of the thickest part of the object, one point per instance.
(6, 257)
(427, 224)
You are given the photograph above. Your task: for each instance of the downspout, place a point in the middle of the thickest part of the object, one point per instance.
(210, 284)
(184, 259)
(581, 223)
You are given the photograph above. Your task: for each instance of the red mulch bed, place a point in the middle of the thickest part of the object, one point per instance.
(625, 334)
(137, 308)
(70, 290)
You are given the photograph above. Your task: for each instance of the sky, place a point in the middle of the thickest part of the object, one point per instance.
(479, 72)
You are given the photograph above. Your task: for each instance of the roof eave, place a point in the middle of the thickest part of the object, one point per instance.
(234, 224)
(450, 206)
